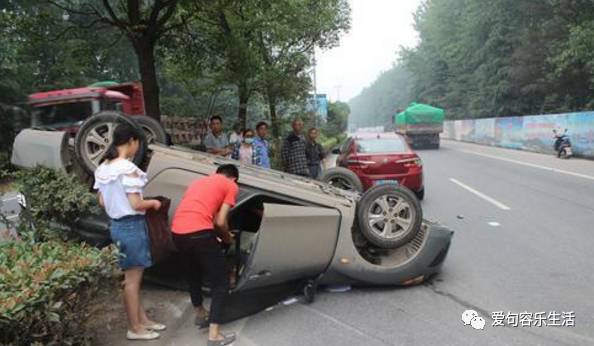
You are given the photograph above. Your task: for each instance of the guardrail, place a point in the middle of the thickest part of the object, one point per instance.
(531, 133)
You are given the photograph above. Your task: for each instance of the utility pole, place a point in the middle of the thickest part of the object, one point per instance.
(315, 96)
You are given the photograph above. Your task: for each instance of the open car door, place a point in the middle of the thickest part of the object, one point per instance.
(294, 244)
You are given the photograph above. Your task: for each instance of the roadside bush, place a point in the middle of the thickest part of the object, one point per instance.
(329, 142)
(45, 290)
(4, 166)
(53, 197)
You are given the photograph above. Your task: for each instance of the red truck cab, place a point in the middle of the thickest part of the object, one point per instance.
(66, 109)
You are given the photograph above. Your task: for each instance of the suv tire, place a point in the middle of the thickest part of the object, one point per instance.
(153, 130)
(342, 178)
(95, 135)
(389, 216)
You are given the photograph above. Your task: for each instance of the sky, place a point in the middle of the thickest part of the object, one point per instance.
(378, 29)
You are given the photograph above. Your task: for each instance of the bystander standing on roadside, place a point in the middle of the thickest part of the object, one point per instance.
(200, 230)
(262, 145)
(293, 151)
(315, 153)
(236, 135)
(215, 141)
(245, 151)
(120, 184)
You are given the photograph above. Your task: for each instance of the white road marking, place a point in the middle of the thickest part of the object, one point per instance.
(481, 195)
(533, 165)
(494, 224)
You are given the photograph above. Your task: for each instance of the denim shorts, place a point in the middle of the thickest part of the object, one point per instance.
(130, 234)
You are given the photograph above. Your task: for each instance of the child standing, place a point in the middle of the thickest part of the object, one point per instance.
(120, 184)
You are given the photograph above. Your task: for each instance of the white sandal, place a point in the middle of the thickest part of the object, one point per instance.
(144, 336)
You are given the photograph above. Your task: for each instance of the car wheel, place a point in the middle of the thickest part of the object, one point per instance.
(420, 194)
(389, 216)
(153, 130)
(96, 134)
(342, 178)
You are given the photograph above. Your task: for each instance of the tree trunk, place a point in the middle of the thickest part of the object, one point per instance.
(244, 97)
(273, 117)
(145, 51)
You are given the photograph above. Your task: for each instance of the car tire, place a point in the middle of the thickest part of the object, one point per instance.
(389, 216)
(420, 194)
(153, 130)
(343, 179)
(95, 135)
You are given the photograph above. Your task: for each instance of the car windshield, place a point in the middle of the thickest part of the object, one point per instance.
(63, 114)
(380, 145)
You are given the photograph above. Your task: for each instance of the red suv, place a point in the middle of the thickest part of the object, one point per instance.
(377, 159)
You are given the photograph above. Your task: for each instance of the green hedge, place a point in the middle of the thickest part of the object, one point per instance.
(53, 197)
(45, 290)
(4, 166)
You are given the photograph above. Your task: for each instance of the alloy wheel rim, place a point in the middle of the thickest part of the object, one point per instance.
(149, 134)
(97, 141)
(390, 216)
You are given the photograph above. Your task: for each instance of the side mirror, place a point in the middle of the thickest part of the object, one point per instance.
(335, 151)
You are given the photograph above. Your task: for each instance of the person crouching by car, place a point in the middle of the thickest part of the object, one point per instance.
(245, 151)
(200, 231)
(314, 153)
(120, 184)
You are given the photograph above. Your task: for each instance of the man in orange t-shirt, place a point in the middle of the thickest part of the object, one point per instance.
(199, 227)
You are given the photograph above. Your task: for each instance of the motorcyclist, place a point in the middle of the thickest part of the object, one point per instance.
(560, 139)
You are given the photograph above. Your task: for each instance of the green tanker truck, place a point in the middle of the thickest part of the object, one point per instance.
(421, 125)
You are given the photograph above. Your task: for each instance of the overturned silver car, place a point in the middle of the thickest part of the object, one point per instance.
(292, 233)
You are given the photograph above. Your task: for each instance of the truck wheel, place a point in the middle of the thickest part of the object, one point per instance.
(389, 216)
(153, 130)
(342, 178)
(95, 135)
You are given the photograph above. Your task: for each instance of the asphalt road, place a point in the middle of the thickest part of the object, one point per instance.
(523, 243)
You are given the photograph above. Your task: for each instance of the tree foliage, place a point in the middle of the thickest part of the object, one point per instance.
(499, 58)
(261, 47)
(338, 116)
(377, 104)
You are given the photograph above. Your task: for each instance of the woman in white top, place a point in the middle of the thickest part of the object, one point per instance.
(120, 184)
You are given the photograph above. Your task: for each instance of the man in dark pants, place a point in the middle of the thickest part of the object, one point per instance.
(293, 151)
(200, 230)
(314, 153)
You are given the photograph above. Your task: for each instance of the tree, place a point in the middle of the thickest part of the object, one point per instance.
(496, 58)
(338, 117)
(288, 33)
(38, 51)
(262, 46)
(144, 23)
(377, 104)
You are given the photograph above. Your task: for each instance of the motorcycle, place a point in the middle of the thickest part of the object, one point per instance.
(562, 145)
